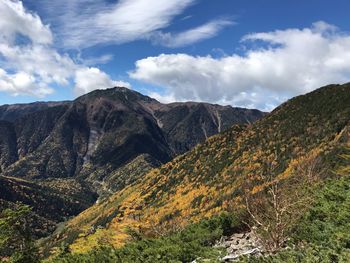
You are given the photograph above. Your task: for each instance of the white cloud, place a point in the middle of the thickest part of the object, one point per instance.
(15, 20)
(22, 83)
(85, 23)
(191, 36)
(162, 98)
(89, 79)
(44, 62)
(31, 68)
(291, 62)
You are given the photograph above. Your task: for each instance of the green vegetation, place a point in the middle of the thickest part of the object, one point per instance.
(193, 242)
(321, 235)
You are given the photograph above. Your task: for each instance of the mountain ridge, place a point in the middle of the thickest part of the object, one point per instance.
(99, 114)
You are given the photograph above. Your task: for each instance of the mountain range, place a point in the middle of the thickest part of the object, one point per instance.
(64, 155)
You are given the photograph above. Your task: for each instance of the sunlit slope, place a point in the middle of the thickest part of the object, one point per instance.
(209, 178)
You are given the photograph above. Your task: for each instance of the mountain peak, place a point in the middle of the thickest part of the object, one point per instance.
(121, 94)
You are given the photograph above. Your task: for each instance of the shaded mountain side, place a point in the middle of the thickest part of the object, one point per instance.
(8, 144)
(27, 132)
(52, 201)
(211, 177)
(88, 133)
(33, 129)
(105, 130)
(105, 140)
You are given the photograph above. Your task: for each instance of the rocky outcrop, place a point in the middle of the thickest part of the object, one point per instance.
(240, 244)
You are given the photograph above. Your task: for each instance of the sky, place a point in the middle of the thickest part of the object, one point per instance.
(244, 53)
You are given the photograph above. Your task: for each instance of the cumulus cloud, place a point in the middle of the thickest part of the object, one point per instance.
(31, 68)
(22, 83)
(44, 62)
(15, 20)
(289, 62)
(89, 79)
(169, 98)
(191, 36)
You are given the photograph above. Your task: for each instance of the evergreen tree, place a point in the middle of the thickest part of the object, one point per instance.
(16, 243)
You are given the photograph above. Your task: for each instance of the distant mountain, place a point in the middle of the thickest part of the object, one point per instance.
(15, 111)
(102, 141)
(105, 130)
(210, 178)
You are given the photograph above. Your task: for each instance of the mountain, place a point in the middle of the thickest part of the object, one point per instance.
(106, 130)
(59, 154)
(213, 176)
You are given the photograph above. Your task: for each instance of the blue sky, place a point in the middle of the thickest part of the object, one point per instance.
(247, 53)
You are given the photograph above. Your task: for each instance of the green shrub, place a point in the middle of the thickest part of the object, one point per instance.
(185, 246)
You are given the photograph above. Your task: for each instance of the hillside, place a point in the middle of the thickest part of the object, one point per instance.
(214, 175)
(52, 201)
